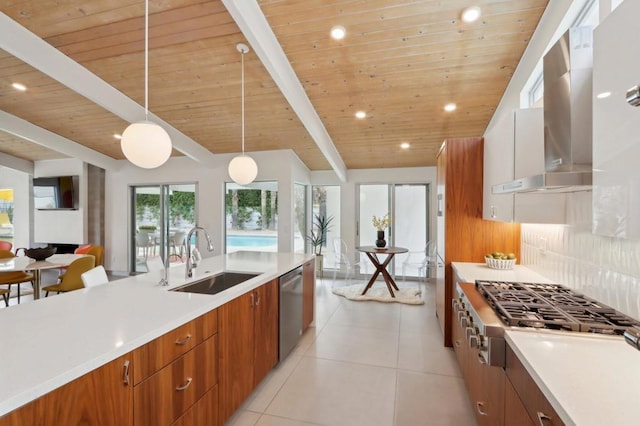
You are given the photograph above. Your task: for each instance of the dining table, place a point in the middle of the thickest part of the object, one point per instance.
(24, 263)
(372, 253)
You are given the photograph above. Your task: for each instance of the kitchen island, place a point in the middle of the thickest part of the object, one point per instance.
(53, 341)
(555, 376)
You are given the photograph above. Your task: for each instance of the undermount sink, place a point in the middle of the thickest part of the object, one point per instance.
(216, 283)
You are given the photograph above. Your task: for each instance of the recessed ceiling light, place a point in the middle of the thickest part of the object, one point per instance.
(19, 86)
(404, 145)
(117, 136)
(450, 107)
(471, 14)
(361, 114)
(603, 95)
(338, 32)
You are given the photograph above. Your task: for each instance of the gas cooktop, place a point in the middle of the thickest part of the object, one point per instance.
(551, 306)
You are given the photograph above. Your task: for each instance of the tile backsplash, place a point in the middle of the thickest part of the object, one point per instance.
(606, 269)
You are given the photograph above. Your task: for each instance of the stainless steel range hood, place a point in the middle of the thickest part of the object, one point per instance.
(567, 118)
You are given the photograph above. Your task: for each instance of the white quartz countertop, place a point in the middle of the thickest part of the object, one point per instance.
(589, 380)
(470, 272)
(52, 341)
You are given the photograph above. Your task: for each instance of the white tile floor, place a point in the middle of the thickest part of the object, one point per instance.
(364, 363)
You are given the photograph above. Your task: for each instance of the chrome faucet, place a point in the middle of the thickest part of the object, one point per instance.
(188, 273)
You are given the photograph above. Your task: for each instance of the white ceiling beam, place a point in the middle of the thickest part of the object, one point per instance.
(256, 29)
(32, 133)
(15, 163)
(28, 47)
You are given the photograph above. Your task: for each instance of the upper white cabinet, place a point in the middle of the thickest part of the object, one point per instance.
(616, 125)
(513, 149)
(498, 168)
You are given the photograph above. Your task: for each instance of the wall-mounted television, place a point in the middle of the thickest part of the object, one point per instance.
(56, 193)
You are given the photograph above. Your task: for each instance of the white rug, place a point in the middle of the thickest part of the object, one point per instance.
(410, 296)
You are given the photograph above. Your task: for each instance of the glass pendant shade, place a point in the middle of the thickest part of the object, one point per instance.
(146, 144)
(243, 169)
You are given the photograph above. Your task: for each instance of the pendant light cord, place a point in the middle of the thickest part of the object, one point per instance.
(242, 103)
(146, 60)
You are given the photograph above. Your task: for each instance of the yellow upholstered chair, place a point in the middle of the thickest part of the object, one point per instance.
(72, 279)
(98, 253)
(9, 278)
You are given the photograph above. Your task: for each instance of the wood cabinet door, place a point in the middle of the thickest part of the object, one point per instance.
(203, 412)
(265, 350)
(100, 397)
(514, 411)
(486, 390)
(308, 292)
(235, 353)
(167, 394)
(533, 400)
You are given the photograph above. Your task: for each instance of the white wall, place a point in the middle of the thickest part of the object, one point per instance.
(62, 226)
(22, 204)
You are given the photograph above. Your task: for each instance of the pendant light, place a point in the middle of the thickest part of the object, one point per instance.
(145, 143)
(243, 169)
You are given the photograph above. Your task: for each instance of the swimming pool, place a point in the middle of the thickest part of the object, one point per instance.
(244, 241)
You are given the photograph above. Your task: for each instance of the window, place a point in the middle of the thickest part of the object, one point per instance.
(161, 218)
(251, 217)
(325, 201)
(299, 217)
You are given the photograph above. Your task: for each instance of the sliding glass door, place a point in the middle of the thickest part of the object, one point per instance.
(162, 215)
(408, 207)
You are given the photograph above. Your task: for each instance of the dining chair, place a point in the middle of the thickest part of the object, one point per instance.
(94, 277)
(6, 245)
(84, 249)
(10, 278)
(145, 242)
(98, 253)
(423, 261)
(72, 280)
(177, 245)
(154, 264)
(343, 260)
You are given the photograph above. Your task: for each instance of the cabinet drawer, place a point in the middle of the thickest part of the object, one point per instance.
(203, 412)
(534, 401)
(156, 354)
(165, 396)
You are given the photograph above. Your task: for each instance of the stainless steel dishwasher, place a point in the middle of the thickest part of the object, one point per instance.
(290, 311)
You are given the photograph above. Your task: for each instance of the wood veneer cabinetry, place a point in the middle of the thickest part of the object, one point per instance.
(248, 345)
(485, 384)
(535, 403)
(102, 397)
(308, 290)
(463, 236)
(175, 373)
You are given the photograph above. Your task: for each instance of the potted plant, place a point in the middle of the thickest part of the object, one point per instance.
(381, 224)
(318, 237)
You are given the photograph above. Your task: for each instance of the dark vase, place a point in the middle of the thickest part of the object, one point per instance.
(380, 242)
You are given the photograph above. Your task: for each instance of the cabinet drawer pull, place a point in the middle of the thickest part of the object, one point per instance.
(543, 419)
(185, 386)
(125, 373)
(479, 406)
(183, 341)
(458, 344)
(251, 296)
(257, 299)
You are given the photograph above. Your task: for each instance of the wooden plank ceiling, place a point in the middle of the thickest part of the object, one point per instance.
(401, 62)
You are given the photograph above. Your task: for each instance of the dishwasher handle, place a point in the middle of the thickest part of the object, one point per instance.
(290, 280)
